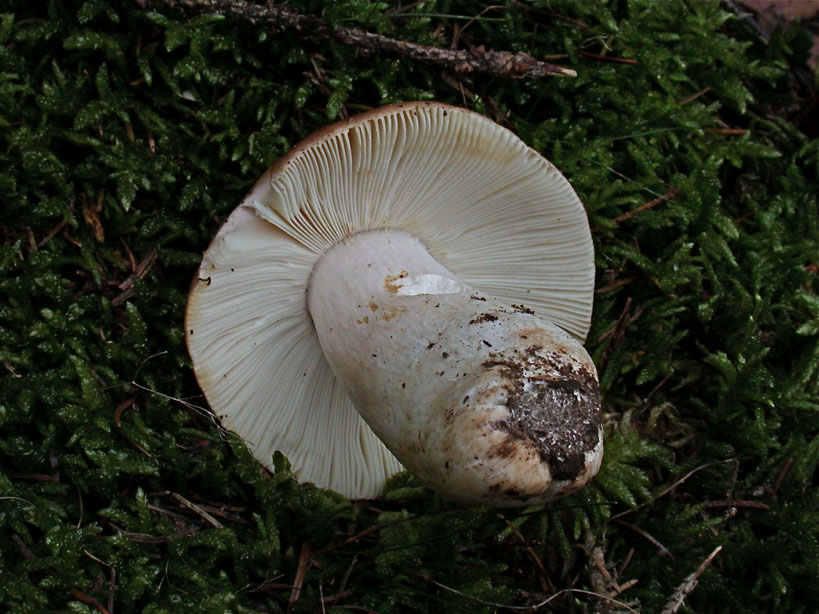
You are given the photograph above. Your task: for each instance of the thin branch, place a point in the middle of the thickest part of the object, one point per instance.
(314, 29)
(665, 551)
(534, 606)
(606, 58)
(782, 474)
(197, 510)
(694, 96)
(671, 194)
(688, 585)
(756, 505)
(530, 550)
(670, 488)
(87, 599)
(301, 573)
(727, 131)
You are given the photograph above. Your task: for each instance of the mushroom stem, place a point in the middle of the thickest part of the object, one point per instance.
(483, 401)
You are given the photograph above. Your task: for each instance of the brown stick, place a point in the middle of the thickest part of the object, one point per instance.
(531, 551)
(649, 205)
(726, 131)
(665, 551)
(54, 230)
(39, 477)
(688, 585)
(310, 28)
(616, 284)
(694, 96)
(782, 475)
(606, 58)
(301, 573)
(739, 503)
(87, 599)
(121, 408)
(197, 510)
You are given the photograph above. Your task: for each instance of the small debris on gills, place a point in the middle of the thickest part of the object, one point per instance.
(522, 309)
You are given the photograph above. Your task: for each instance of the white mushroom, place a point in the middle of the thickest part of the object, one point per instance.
(383, 266)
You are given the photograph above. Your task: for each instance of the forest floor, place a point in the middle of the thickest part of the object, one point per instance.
(129, 130)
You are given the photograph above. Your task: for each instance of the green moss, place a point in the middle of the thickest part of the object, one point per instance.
(127, 134)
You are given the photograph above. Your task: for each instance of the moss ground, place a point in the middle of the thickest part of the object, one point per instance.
(128, 133)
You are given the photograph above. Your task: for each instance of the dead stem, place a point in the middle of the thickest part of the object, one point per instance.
(310, 28)
(688, 585)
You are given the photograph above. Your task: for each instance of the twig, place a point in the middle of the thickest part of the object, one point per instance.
(739, 503)
(136, 445)
(121, 408)
(337, 596)
(88, 600)
(782, 475)
(310, 28)
(665, 551)
(599, 576)
(143, 538)
(530, 550)
(202, 411)
(627, 560)
(726, 131)
(688, 585)
(670, 488)
(301, 572)
(91, 215)
(694, 96)
(616, 284)
(112, 585)
(356, 537)
(346, 577)
(11, 370)
(619, 589)
(53, 231)
(140, 271)
(612, 332)
(112, 579)
(32, 242)
(479, 15)
(215, 511)
(38, 477)
(162, 510)
(131, 258)
(671, 194)
(606, 58)
(197, 510)
(614, 336)
(535, 606)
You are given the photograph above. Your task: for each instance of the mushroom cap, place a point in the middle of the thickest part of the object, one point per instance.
(487, 207)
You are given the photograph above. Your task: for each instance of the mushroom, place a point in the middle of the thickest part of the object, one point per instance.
(409, 286)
